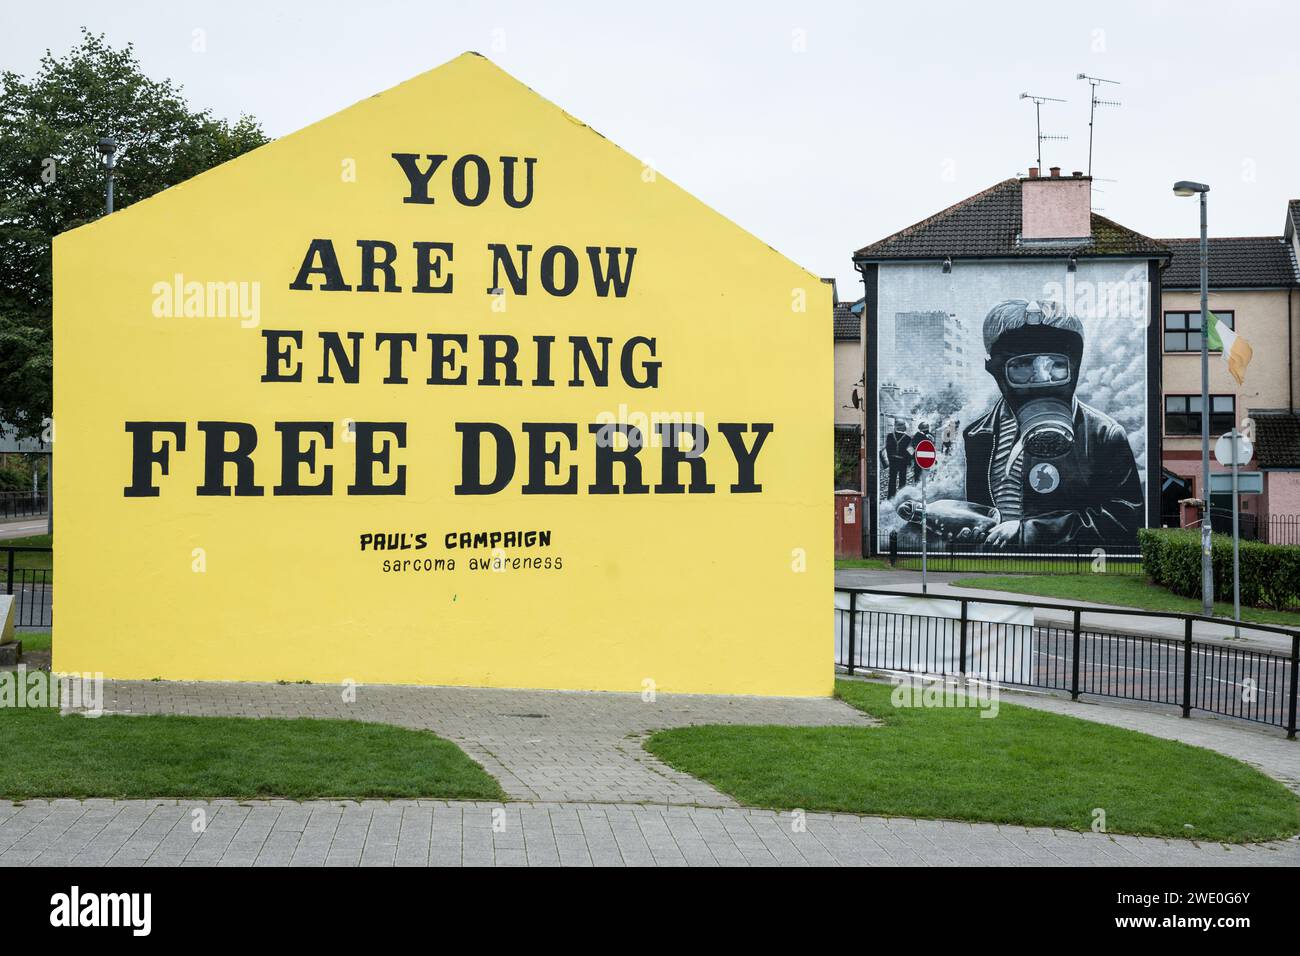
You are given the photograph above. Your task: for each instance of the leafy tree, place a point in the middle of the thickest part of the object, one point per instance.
(52, 180)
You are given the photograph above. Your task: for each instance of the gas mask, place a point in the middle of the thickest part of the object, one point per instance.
(1037, 369)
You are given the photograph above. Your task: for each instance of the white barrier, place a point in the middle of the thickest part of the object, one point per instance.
(914, 641)
(8, 609)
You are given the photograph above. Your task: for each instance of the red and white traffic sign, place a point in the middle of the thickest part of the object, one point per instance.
(925, 456)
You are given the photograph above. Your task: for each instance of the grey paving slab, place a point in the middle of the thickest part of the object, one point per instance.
(583, 792)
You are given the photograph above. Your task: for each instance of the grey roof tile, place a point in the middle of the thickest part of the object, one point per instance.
(1240, 262)
(848, 320)
(1277, 437)
(987, 225)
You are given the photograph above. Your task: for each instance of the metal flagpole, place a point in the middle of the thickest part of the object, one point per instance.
(1236, 539)
(1207, 573)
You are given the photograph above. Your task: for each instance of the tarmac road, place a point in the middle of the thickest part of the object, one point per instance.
(23, 527)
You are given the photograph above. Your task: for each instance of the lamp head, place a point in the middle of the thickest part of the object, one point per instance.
(1186, 187)
(107, 145)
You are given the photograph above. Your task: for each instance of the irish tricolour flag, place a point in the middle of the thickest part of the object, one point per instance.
(1236, 350)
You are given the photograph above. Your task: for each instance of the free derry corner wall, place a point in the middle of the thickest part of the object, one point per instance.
(443, 389)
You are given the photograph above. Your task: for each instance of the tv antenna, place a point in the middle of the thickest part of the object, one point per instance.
(1038, 121)
(1094, 82)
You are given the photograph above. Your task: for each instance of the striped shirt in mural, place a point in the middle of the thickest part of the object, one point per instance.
(1006, 471)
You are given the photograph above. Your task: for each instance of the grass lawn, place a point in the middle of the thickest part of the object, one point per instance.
(872, 564)
(46, 755)
(34, 640)
(1128, 590)
(29, 559)
(1022, 767)
(1021, 566)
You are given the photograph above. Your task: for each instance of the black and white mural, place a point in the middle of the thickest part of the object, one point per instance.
(1032, 383)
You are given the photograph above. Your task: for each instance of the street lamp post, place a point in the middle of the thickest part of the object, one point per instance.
(108, 149)
(1186, 188)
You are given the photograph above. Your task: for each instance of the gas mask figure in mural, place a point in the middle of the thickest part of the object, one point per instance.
(1058, 471)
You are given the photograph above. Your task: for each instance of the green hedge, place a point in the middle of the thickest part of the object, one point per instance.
(1270, 573)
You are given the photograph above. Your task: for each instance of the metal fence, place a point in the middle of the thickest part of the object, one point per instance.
(1248, 525)
(959, 556)
(1282, 529)
(1063, 653)
(28, 575)
(20, 504)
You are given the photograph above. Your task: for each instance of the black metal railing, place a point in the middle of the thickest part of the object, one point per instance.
(28, 576)
(1014, 559)
(21, 504)
(1058, 651)
(1247, 524)
(1282, 529)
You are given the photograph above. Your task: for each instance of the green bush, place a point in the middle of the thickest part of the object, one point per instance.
(16, 472)
(1270, 573)
(14, 477)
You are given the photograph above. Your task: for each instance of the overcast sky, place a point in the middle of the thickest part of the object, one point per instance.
(818, 126)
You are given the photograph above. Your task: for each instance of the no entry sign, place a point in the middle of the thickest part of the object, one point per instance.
(925, 459)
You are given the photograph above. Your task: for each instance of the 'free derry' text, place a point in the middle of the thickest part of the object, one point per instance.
(534, 455)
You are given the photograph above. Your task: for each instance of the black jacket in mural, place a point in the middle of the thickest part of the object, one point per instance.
(1097, 499)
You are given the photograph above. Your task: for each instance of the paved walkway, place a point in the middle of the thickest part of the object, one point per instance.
(582, 792)
(430, 832)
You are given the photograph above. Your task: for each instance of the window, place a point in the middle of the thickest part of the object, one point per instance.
(1183, 414)
(1221, 502)
(1183, 329)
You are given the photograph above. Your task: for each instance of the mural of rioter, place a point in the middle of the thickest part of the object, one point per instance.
(896, 456)
(1052, 470)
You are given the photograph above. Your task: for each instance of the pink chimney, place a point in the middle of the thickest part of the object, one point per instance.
(1055, 206)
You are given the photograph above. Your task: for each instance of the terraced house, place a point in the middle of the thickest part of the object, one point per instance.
(1018, 331)
(1254, 289)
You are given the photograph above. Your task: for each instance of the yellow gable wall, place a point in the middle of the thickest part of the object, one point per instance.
(723, 592)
